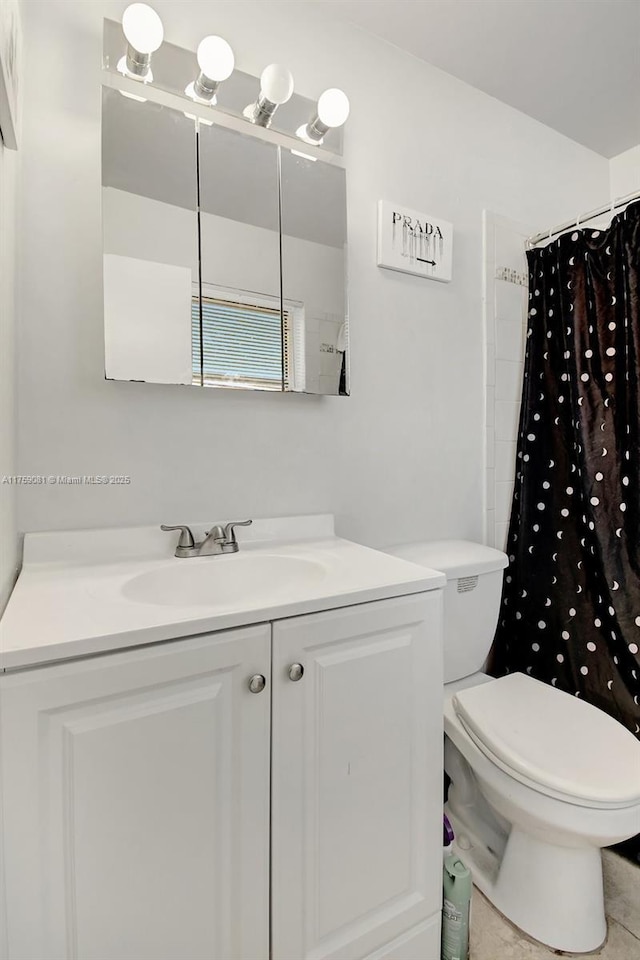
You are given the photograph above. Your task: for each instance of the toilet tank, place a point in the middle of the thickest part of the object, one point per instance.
(471, 598)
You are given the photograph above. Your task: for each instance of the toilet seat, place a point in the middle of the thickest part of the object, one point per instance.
(555, 743)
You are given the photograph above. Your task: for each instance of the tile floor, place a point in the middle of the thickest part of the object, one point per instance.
(494, 938)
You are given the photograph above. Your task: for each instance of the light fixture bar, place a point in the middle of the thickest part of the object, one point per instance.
(166, 98)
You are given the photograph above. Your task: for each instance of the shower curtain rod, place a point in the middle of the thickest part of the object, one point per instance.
(555, 231)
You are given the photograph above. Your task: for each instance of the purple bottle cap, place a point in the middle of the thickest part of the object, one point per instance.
(447, 831)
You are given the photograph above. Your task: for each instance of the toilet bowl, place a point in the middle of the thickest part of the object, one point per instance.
(532, 837)
(540, 780)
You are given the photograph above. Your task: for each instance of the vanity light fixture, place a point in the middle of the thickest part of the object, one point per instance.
(132, 96)
(332, 111)
(305, 156)
(144, 33)
(276, 87)
(199, 120)
(216, 62)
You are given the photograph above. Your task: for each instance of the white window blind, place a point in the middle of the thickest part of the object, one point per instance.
(242, 345)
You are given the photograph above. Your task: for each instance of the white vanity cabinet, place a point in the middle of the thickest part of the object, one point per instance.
(356, 814)
(154, 806)
(136, 804)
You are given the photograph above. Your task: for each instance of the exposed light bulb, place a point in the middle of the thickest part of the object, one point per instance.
(144, 33)
(215, 58)
(216, 62)
(142, 27)
(276, 83)
(333, 107)
(332, 111)
(276, 87)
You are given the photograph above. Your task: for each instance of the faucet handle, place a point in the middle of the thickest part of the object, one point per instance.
(186, 537)
(229, 530)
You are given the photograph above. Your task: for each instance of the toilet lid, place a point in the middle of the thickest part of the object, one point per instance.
(554, 740)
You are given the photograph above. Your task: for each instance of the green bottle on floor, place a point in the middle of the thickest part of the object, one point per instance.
(456, 908)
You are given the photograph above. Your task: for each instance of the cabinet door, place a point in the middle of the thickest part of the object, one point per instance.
(356, 777)
(136, 804)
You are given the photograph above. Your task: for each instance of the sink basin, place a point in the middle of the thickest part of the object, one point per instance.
(226, 581)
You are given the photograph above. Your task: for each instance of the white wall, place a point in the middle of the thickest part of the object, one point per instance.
(624, 171)
(8, 444)
(402, 457)
(505, 312)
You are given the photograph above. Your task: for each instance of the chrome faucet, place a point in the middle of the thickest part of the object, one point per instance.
(217, 540)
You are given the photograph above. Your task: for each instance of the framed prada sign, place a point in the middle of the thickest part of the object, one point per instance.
(413, 242)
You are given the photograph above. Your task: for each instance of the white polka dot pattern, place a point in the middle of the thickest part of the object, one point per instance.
(570, 611)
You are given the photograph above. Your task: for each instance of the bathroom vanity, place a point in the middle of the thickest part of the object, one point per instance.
(253, 776)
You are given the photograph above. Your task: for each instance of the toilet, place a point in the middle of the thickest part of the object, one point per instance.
(540, 780)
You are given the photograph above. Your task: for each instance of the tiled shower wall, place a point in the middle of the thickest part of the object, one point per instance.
(505, 299)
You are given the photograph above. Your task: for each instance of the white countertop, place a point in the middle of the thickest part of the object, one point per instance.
(68, 601)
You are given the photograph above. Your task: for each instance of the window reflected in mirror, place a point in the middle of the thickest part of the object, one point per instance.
(240, 343)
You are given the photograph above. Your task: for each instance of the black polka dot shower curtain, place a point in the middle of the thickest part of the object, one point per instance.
(570, 612)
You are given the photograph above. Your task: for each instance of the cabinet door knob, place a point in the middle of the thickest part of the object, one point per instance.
(295, 672)
(257, 683)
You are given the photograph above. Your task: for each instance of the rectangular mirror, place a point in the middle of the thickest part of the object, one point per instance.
(237, 325)
(224, 255)
(150, 235)
(314, 280)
